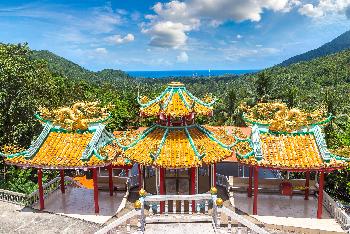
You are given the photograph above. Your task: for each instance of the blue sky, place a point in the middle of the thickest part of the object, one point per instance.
(174, 35)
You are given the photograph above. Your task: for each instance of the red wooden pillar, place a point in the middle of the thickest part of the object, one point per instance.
(214, 175)
(255, 204)
(193, 187)
(307, 184)
(140, 176)
(169, 122)
(110, 179)
(63, 189)
(250, 185)
(41, 190)
(161, 188)
(94, 177)
(320, 195)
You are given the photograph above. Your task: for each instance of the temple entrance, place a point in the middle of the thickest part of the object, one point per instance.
(177, 181)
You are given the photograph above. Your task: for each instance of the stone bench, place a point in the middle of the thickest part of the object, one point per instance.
(271, 185)
(119, 183)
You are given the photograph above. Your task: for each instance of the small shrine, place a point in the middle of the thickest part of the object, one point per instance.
(72, 138)
(287, 140)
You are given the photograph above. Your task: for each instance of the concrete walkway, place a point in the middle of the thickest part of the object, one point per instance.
(17, 219)
(79, 203)
(287, 211)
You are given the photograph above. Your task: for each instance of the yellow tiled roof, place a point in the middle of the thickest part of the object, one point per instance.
(176, 101)
(112, 150)
(291, 151)
(171, 147)
(61, 150)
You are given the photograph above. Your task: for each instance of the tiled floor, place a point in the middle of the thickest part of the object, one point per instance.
(79, 203)
(287, 211)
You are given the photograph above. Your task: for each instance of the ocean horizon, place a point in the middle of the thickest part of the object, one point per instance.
(187, 73)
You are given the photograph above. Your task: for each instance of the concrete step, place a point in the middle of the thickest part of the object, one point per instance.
(176, 228)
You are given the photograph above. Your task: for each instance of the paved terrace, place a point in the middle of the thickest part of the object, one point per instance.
(288, 211)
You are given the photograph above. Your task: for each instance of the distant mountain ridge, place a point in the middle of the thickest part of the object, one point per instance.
(338, 44)
(63, 67)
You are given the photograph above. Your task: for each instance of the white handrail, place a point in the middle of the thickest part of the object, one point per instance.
(252, 226)
(119, 221)
(197, 197)
(336, 212)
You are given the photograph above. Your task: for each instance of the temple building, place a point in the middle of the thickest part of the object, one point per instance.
(176, 155)
(287, 140)
(72, 140)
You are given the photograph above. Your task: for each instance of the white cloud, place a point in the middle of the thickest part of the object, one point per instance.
(168, 34)
(182, 57)
(239, 36)
(172, 21)
(325, 7)
(101, 50)
(118, 39)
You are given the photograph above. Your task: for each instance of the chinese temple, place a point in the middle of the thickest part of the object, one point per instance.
(176, 149)
(287, 140)
(72, 138)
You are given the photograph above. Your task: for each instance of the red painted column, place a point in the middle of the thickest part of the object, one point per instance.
(41, 190)
(307, 184)
(140, 176)
(63, 189)
(110, 180)
(94, 177)
(256, 187)
(250, 185)
(161, 187)
(214, 175)
(193, 186)
(320, 195)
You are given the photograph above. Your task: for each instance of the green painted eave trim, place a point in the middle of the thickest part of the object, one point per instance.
(162, 142)
(246, 156)
(194, 148)
(9, 156)
(141, 137)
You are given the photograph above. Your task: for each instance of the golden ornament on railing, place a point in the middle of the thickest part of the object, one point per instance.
(137, 205)
(213, 191)
(219, 202)
(142, 192)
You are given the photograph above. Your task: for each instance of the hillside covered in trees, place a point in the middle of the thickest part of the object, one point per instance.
(336, 45)
(29, 80)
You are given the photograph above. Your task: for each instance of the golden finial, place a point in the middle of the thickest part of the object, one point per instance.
(219, 202)
(142, 192)
(213, 191)
(137, 205)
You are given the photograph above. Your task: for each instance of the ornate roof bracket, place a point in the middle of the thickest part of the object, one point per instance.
(93, 143)
(155, 156)
(199, 156)
(321, 143)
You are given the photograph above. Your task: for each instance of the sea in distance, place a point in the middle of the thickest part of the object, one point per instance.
(187, 73)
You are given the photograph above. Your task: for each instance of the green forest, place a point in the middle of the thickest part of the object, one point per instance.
(32, 79)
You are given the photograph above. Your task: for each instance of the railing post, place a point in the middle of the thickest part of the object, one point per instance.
(214, 214)
(218, 221)
(250, 181)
